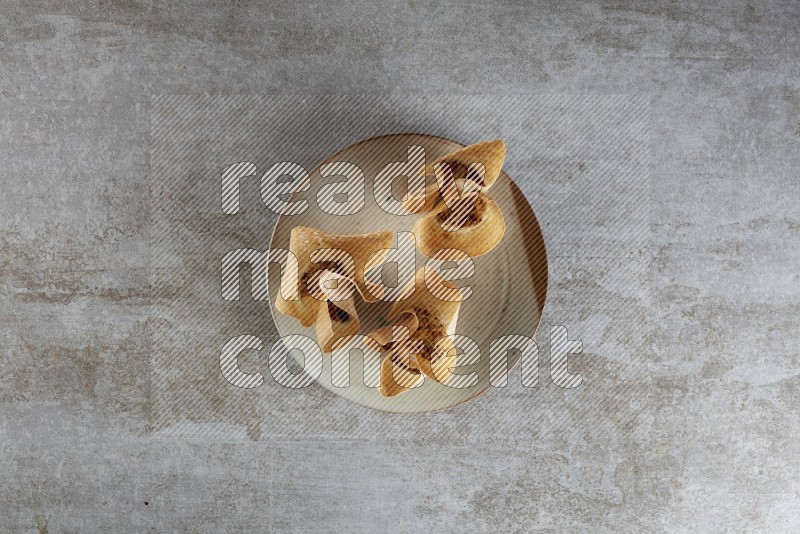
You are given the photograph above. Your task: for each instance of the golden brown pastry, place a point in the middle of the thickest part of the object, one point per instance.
(459, 173)
(335, 321)
(473, 224)
(417, 342)
(318, 253)
(336, 314)
(458, 212)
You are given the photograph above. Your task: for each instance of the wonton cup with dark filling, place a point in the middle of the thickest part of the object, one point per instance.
(470, 169)
(418, 340)
(473, 224)
(330, 271)
(459, 214)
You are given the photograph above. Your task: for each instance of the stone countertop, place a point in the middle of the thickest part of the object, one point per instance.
(702, 435)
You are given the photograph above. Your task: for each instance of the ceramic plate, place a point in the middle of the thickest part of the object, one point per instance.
(509, 284)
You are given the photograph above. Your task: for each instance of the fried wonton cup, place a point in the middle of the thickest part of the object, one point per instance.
(474, 225)
(317, 252)
(335, 321)
(399, 372)
(336, 315)
(470, 169)
(417, 341)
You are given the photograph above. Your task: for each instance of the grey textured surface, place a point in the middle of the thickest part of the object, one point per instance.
(714, 445)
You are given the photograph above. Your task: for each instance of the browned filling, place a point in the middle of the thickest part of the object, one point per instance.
(396, 359)
(471, 218)
(403, 365)
(466, 172)
(314, 269)
(429, 331)
(337, 314)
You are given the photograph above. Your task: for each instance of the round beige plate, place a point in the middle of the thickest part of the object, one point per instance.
(509, 285)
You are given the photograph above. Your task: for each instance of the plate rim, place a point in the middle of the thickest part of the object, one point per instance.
(535, 231)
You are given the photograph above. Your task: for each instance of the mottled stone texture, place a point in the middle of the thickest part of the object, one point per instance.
(711, 444)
